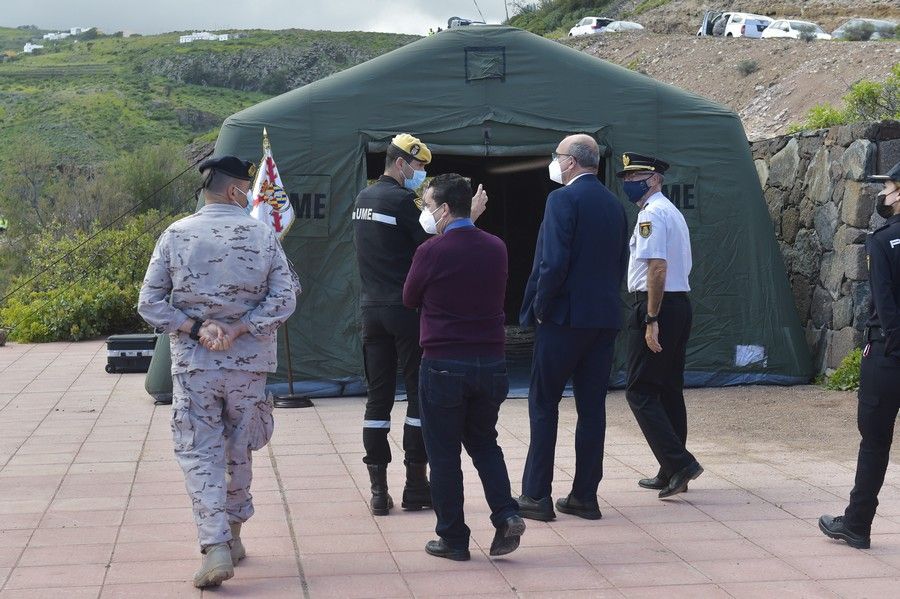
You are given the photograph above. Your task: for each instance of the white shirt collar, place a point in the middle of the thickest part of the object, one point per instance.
(577, 177)
(655, 196)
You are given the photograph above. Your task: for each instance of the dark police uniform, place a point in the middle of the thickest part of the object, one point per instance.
(655, 381)
(387, 232)
(879, 389)
(879, 384)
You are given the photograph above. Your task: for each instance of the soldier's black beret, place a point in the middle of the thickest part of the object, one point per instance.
(633, 162)
(231, 166)
(892, 175)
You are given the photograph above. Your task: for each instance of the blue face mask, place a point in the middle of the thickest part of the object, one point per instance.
(635, 190)
(418, 177)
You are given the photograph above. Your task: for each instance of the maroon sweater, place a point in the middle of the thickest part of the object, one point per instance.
(458, 279)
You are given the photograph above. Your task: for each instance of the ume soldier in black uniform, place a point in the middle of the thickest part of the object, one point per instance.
(879, 385)
(387, 230)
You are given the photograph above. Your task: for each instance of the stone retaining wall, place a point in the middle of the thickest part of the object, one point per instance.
(821, 208)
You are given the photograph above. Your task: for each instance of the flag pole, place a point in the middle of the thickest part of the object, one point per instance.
(291, 400)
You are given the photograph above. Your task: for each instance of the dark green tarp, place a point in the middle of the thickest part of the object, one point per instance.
(492, 103)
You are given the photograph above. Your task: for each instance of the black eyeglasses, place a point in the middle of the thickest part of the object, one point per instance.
(556, 155)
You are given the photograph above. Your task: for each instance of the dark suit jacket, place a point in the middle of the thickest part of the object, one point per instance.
(580, 259)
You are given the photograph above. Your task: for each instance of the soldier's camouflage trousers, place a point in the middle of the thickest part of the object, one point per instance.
(219, 417)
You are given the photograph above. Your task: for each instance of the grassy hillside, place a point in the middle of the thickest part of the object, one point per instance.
(92, 100)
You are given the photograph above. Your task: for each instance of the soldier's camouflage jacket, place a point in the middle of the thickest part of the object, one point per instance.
(219, 263)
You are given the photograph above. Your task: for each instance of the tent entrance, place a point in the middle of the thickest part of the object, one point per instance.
(517, 192)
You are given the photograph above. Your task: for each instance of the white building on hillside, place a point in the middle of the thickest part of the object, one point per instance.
(29, 48)
(77, 30)
(56, 36)
(202, 36)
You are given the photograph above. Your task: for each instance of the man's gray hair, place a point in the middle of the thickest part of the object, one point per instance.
(586, 156)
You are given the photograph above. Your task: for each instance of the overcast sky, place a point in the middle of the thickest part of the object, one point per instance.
(157, 16)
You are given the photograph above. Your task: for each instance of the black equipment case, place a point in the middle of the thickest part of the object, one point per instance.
(129, 353)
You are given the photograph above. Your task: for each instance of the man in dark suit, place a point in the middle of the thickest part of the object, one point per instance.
(573, 300)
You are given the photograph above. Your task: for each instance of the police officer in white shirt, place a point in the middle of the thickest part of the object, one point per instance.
(660, 324)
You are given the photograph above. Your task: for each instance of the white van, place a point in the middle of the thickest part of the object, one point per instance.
(733, 24)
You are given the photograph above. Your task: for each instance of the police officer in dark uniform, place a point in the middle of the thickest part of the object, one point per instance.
(660, 326)
(387, 231)
(879, 385)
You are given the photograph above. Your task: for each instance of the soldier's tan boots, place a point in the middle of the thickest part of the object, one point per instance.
(216, 567)
(237, 547)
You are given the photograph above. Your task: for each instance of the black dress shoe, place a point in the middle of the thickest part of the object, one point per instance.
(835, 528)
(657, 483)
(679, 481)
(536, 509)
(506, 539)
(439, 548)
(575, 507)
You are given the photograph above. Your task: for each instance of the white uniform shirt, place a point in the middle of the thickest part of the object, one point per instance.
(662, 233)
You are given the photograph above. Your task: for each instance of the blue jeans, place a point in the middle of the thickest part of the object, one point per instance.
(459, 402)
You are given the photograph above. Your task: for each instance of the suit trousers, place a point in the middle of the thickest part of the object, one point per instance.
(585, 356)
(389, 334)
(655, 382)
(879, 400)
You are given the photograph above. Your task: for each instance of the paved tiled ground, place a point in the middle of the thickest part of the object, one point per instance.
(92, 504)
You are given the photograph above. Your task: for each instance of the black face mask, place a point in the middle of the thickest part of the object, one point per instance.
(882, 210)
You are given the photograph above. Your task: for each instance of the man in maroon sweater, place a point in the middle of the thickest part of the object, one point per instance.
(458, 281)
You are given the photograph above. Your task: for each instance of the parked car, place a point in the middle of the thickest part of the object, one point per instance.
(461, 22)
(618, 26)
(865, 29)
(733, 24)
(794, 30)
(590, 25)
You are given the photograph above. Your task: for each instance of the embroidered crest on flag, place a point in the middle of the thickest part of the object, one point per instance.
(271, 203)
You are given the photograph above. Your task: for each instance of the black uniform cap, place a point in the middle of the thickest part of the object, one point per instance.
(892, 175)
(633, 162)
(231, 166)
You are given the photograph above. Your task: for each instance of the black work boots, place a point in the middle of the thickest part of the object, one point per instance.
(381, 503)
(416, 492)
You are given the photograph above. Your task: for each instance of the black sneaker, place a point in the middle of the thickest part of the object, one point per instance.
(506, 539)
(834, 527)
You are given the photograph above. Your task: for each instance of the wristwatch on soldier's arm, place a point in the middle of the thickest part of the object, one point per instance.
(195, 330)
(648, 319)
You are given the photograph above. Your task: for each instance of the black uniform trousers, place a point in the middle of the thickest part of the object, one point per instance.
(879, 400)
(390, 333)
(655, 383)
(585, 356)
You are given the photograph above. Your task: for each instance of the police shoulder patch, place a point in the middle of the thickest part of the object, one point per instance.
(645, 229)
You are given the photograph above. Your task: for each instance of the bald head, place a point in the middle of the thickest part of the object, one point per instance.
(583, 149)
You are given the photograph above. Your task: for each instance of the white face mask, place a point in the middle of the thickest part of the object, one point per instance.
(555, 171)
(426, 219)
(249, 195)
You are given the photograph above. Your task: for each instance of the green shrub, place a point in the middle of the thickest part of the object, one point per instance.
(92, 291)
(860, 32)
(846, 377)
(747, 67)
(866, 101)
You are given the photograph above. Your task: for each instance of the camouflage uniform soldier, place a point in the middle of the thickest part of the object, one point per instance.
(231, 288)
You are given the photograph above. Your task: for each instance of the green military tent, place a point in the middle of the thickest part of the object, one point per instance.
(492, 102)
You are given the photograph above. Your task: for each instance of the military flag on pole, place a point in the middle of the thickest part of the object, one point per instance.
(270, 202)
